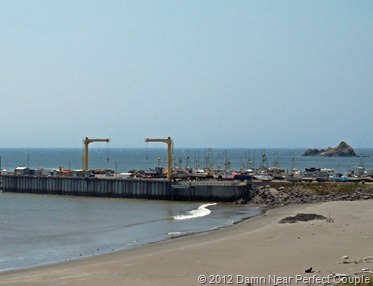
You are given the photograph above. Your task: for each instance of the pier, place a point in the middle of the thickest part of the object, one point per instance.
(126, 188)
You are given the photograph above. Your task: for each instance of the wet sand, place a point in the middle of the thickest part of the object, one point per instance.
(259, 250)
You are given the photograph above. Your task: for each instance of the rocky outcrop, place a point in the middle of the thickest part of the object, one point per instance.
(312, 152)
(342, 150)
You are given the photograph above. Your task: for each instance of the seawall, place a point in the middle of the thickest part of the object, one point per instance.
(124, 188)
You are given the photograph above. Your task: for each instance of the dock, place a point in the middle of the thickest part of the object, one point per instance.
(126, 188)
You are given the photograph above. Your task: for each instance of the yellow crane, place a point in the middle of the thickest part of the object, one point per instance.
(86, 141)
(168, 141)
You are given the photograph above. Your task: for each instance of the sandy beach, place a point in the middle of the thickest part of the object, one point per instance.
(260, 250)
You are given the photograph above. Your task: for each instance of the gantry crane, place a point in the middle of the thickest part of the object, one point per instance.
(168, 141)
(86, 141)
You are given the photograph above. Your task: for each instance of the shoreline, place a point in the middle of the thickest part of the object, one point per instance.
(263, 210)
(256, 247)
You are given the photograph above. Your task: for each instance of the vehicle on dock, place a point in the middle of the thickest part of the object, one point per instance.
(125, 176)
(243, 177)
(224, 175)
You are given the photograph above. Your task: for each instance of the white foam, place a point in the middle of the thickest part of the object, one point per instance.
(175, 233)
(200, 212)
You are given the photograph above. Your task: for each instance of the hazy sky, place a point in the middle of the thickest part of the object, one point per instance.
(207, 73)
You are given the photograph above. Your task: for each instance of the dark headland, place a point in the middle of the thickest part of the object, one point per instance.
(342, 150)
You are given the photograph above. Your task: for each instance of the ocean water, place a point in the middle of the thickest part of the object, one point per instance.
(43, 229)
(125, 159)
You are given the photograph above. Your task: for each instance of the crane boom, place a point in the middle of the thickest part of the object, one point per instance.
(86, 141)
(168, 141)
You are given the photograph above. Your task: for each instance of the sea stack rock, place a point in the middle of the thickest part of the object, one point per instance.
(342, 150)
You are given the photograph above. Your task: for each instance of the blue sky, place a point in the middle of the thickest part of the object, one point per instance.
(207, 73)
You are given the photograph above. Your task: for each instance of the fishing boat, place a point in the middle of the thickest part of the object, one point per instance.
(262, 176)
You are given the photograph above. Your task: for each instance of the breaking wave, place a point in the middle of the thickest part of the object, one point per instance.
(200, 212)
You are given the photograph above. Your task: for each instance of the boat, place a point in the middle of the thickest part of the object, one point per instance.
(293, 178)
(262, 176)
(224, 175)
(338, 179)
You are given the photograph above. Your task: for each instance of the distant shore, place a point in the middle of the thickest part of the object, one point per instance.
(259, 249)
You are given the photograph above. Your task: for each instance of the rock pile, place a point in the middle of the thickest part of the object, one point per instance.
(303, 194)
(301, 217)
